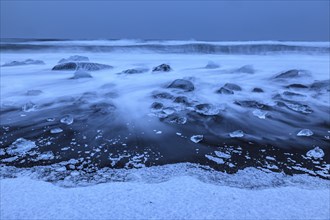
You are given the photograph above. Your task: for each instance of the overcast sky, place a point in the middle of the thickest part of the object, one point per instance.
(200, 20)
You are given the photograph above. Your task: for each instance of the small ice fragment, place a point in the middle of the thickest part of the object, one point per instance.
(238, 133)
(305, 133)
(177, 133)
(29, 107)
(56, 130)
(215, 159)
(158, 132)
(196, 138)
(316, 153)
(21, 146)
(68, 119)
(50, 119)
(221, 154)
(260, 114)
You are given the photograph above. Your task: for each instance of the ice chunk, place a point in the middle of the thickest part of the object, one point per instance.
(238, 133)
(305, 132)
(215, 159)
(222, 155)
(196, 138)
(260, 114)
(316, 153)
(68, 119)
(207, 109)
(29, 107)
(21, 146)
(56, 130)
(135, 71)
(46, 156)
(162, 68)
(182, 84)
(81, 65)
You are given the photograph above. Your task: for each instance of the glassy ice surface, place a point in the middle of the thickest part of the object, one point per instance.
(305, 132)
(236, 134)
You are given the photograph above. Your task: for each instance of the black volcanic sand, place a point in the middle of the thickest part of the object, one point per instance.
(99, 137)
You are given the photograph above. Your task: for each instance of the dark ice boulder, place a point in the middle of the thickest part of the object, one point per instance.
(212, 65)
(81, 65)
(74, 58)
(294, 73)
(224, 90)
(135, 71)
(157, 106)
(259, 90)
(162, 68)
(81, 74)
(182, 100)
(25, 62)
(246, 69)
(296, 86)
(182, 84)
(232, 86)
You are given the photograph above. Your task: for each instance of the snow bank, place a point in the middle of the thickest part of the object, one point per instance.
(180, 198)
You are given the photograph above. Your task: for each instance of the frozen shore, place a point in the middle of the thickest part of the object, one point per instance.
(182, 197)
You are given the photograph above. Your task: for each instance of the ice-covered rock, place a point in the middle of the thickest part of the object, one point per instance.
(25, 62)
(56, 130)
(294, 73)
(232, 86)
(296, 86)
(29, 107)
(68, 120)
(237, 133)
(305, 132)
(207, 109)
(251, 104)
(212, 65)
(175, 119)
(162, 68)
(135, 71)
(182, 100)
(157, 106)
(21, 147)
(196, 138)
(33, 92)
(260, 114)
(162, 95)
(81, 65)
(81, 74)
(315, 153)
(297, 107)
(246, 69)
(258, 90)
(226, 91)
(182, 84)
(74, 58)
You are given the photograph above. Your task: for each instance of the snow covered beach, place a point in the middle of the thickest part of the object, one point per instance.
(82, 113)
